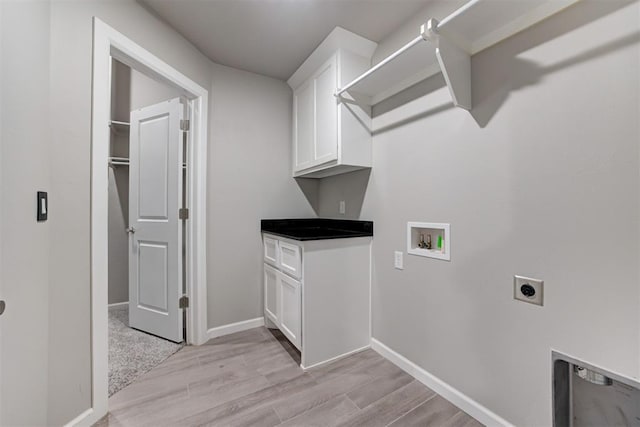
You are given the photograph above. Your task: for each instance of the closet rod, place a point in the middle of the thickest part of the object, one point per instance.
(382, 63)
(118, 123)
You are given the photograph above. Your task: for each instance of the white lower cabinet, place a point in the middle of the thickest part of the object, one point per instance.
(318, 295)
(283, 288)
(283, 303)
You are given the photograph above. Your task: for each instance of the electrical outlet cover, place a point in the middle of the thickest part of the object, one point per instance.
(536, 284)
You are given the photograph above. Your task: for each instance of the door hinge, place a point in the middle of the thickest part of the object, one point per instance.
(183, 213)
(184, 124)
(183, 302)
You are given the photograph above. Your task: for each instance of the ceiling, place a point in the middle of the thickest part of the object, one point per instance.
(273, 37)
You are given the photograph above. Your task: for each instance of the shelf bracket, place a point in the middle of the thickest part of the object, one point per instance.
(429, 31)
(455, 64)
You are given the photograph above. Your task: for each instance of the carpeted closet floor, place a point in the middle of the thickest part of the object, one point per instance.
(131, 352)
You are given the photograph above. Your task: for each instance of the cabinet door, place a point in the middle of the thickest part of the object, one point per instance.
(272, 289)
(326, 109)
(291, 306)
(303, 126)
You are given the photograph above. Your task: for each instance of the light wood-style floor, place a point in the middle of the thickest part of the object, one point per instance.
(249, 379)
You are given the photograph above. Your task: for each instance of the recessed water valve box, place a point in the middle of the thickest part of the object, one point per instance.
(429, 239)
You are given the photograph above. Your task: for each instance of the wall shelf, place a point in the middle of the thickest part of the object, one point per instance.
(447, 47)
(396, 72)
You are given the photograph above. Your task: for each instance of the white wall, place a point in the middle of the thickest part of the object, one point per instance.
(542, 179)
(24, 169)
(69, 318)
(555, 156)
(145, 91)
(249, 179)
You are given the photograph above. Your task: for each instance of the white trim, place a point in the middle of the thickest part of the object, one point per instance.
(118, 304)
(84, 419)
(232, 328)
(333, 359)
(108, 43)
(371, 278)
(461, 400)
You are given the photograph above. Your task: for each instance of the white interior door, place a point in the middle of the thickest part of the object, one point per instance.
(155, 238)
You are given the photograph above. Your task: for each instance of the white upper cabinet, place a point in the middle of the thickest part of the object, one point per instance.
(304, 133)
(330, 138)
(326, 114)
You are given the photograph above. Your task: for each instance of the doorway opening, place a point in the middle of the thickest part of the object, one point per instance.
(144, 327)
(108, 45)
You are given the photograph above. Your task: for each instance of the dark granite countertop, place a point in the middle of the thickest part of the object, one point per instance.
(317, 228)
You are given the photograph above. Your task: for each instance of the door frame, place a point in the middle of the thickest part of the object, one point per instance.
(107, 44)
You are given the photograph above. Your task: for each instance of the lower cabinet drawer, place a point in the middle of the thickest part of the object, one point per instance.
(270, 246)
(290, 259)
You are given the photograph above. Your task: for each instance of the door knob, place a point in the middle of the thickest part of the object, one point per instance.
(2, 306)
(131, 230)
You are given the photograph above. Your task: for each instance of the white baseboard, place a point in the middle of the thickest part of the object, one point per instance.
(461, 400)
(118, 304)
(87, 418)
(235, 327)
(333, 359)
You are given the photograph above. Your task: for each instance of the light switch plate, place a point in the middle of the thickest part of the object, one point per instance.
(42, 206)
(398, 260)
(528, 290)
(343, 207)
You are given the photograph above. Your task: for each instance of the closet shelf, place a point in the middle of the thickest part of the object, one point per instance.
(447, 47)
(118, 161)
(118, 126)
(123, 161)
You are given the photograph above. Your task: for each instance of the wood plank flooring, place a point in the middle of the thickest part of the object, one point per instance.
(250, 379)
